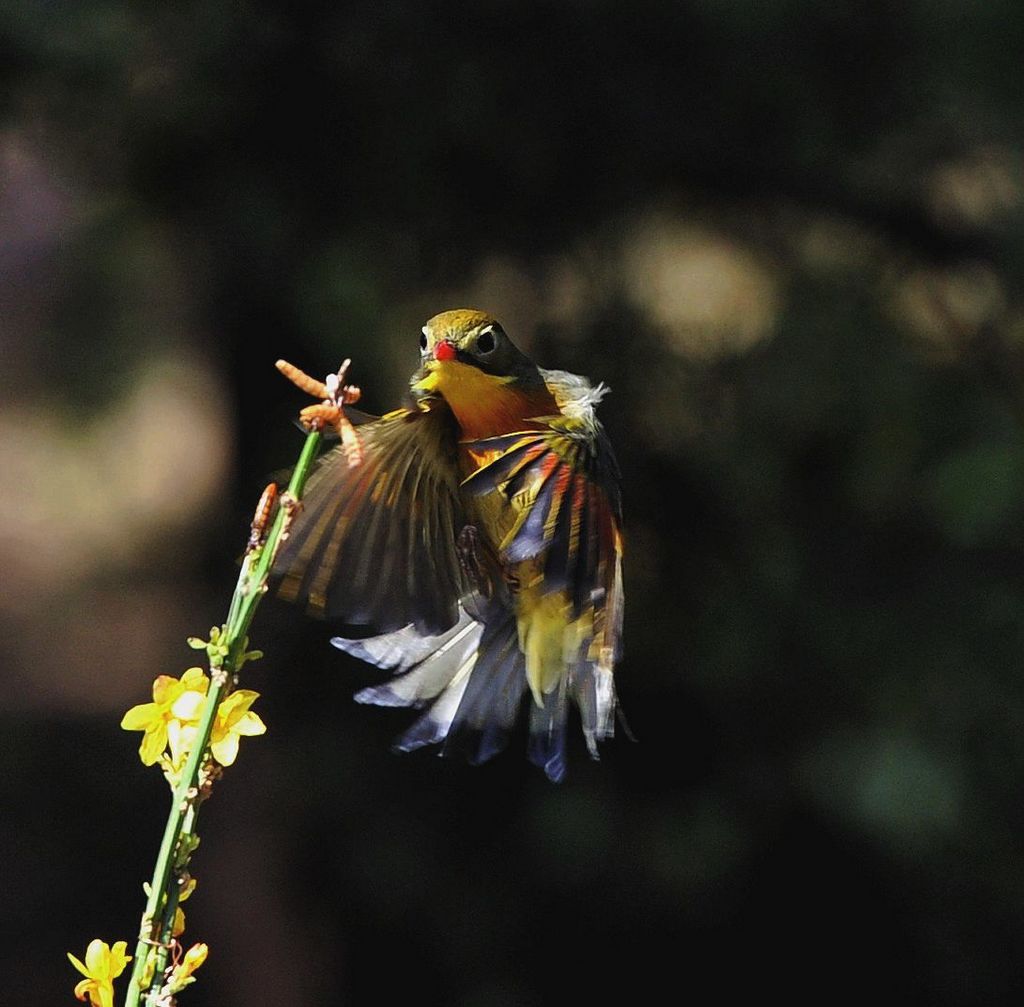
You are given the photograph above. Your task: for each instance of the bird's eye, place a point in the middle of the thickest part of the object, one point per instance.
(485, 342)
(423, 341)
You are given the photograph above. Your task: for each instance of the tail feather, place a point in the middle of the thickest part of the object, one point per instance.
(593, 689)
(424, 666)
(472, 680)
(432, 728)
(487, 713)
(546, 748)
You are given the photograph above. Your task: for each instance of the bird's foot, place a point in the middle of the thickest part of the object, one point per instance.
(467, 549)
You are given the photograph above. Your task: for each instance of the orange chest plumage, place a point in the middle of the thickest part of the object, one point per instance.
(488, 406)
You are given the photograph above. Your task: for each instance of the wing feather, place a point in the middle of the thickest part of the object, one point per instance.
(374, 544)
(562, 483)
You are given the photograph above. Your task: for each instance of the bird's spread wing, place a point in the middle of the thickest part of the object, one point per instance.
(374, 543)
(562, 483)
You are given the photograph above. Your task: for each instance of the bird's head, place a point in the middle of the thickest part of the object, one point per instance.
(467, 348)
(490, 385)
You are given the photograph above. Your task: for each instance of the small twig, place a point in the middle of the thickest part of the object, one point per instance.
(332, 390)
(302, 380)
(334, 394)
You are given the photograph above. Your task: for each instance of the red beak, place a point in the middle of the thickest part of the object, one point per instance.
(444, 350)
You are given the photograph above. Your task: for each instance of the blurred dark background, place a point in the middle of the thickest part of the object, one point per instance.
(788, 235)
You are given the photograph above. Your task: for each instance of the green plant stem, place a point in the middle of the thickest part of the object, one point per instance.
(165, 931)
(158, 916)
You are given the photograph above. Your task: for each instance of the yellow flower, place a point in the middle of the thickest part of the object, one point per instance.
(103, 965)
(181, 974)
(234, 720)
(155, 718)
(171, 721)
(184, 725)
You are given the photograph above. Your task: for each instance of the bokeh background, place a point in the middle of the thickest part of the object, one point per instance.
(787, 234)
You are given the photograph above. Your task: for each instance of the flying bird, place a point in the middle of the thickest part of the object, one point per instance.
(479, 533)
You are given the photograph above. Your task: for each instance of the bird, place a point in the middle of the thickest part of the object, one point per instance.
(479, 536)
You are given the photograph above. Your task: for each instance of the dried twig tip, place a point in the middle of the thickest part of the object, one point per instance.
(329, 412)
(261, 519)
(302, 380)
